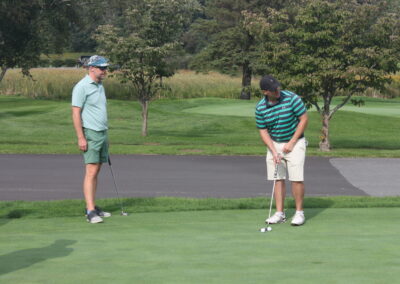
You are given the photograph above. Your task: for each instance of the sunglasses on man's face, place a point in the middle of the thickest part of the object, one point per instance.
(101, 68)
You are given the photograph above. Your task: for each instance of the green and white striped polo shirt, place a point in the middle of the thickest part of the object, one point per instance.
(282, 118)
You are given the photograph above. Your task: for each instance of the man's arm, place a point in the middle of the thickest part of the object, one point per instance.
(301, 127)
(266, 138)
(76, 118)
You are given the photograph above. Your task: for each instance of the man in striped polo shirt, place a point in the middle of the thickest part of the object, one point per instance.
(281, 118)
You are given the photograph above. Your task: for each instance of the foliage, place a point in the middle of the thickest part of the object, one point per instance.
(30, 28)
(144, 47)
(327, 48)
(94, 13)
(231, 48)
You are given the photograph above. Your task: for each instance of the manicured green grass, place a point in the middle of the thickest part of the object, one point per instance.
(380, 107)
(335, 246)
(45, 126)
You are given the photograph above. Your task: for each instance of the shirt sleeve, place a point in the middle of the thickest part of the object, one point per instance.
(298, 106)
(78, 96)
(260, 120)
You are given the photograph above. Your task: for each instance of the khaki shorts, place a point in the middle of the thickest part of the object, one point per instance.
(292, 162)
(97, 149)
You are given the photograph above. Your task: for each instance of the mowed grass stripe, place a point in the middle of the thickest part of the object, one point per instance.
(247, 108)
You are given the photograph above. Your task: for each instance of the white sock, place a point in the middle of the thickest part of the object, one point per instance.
(280, 213)
(300, 212)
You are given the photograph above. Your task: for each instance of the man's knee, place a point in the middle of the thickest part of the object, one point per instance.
(92, 170)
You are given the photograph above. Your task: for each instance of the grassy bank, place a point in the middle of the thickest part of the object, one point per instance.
(175, 127)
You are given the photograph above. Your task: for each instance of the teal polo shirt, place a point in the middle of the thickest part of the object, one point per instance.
(91, 98)
(280, 119)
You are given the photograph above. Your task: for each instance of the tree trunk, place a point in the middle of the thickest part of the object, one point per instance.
(246, 81)
(324, 144)
(145, 112)
(3, 72)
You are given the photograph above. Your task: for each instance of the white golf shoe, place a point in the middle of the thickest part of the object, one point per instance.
(298, 218)
(93, 218)
(102, 213)
(278, 217)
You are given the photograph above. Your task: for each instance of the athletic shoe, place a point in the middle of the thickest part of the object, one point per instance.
(298, 219)
(93, 218)
(101, 213)
(278, 217)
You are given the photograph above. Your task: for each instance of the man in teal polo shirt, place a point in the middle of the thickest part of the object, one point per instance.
(281, 118)
(89, 115)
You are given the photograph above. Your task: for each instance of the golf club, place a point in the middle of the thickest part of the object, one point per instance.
(123, 213)
(268, 228)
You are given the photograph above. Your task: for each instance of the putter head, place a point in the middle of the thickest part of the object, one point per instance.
(124, 213)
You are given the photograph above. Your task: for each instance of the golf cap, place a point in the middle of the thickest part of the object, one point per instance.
(269, 83)
(97, 61)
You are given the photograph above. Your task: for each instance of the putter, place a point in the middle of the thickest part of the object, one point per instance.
(123, 213)
(268, 228)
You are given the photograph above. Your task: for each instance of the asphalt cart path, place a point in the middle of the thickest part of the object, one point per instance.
(55, 177)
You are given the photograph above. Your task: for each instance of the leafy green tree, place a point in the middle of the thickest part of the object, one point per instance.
(143, 48)
(231, 47)
(92, 14)
(323, 49)
(31, 28)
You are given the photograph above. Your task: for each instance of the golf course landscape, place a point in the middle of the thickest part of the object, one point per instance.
(184, 240)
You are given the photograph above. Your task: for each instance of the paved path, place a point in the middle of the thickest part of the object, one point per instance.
(52, 177)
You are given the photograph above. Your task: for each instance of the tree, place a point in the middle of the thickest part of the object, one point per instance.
(31, 28)
(231, 46)
(144, 47)
(328, 48)
(92, 14)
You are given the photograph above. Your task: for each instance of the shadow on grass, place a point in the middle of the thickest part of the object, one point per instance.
(312, 207)
(4, 221)
(18, 213)
(24, 258)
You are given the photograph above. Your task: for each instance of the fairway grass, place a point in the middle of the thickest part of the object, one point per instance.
(335, 246)
(380, 107)
(224, 127)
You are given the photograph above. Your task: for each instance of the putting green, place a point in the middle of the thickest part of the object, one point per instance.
(335, 246)
(247, 108)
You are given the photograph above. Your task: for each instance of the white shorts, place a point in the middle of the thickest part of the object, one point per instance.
(292, 162)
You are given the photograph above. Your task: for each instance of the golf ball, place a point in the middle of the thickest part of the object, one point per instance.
(267, 229)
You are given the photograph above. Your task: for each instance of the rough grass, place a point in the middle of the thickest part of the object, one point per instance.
(72, 208)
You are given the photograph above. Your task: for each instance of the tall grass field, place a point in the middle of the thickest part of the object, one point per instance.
(57, 83)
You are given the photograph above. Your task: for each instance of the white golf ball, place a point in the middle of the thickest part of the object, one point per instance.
(269, 229)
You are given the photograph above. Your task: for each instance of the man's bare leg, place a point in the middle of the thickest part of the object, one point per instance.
(298, 194)
(90, 185)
